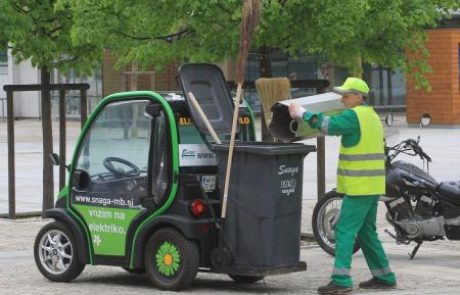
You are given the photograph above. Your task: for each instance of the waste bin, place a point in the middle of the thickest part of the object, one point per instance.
(284, 128)
(262, 225)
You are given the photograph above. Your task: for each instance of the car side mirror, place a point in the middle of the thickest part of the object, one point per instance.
(425, 119)
(55, 159)
(81, 180)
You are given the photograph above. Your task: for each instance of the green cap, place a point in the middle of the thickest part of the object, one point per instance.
(353, 85)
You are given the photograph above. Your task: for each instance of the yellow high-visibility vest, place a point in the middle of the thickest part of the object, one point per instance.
(361, 169)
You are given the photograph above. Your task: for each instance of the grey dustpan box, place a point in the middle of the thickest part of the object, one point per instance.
(208, 85)
(286, 129)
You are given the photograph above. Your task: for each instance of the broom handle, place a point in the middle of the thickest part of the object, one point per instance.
(204, 118)
(230, 150)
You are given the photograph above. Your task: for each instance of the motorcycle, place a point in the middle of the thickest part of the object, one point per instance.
(419, 208)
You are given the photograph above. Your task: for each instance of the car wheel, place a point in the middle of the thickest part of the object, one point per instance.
(171, 261)
(55, 253)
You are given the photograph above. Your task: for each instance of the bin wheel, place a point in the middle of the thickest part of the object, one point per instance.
(171, 261)
(55, 253)
(324, 219)
(220, 256)
(246, 279)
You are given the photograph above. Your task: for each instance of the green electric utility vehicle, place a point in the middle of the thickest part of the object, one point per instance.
(144, 193)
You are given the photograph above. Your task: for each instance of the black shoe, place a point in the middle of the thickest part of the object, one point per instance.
(376, 284)
(333, 288)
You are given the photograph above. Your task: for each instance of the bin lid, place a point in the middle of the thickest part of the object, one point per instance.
(208, 85)
(267, 148)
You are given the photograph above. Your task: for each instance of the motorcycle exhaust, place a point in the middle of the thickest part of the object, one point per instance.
(286, 129)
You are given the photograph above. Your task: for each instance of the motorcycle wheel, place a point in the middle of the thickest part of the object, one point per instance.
(324, 214)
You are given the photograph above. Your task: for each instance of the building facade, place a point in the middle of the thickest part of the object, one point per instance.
(442, 103)
(28, 104)
(388, 87)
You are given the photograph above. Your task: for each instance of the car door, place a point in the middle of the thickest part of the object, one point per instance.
(113, 173)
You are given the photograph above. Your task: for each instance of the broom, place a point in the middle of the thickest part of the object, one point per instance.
(249, 20)
(271, 91)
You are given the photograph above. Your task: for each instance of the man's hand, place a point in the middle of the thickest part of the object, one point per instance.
(296, 111)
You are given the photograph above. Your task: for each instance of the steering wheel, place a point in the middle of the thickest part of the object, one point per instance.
(120, 172)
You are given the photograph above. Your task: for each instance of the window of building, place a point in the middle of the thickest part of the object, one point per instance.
(3, 57)
(73, 97)
(300, 67)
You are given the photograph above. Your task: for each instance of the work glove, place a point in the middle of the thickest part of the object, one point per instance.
(296, 111)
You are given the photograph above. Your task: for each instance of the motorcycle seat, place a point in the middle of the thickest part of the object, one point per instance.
(451, 191)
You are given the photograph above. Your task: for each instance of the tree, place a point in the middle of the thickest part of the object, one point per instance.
(158, 32)
(35, 30)
(372, 31)
(349, 32)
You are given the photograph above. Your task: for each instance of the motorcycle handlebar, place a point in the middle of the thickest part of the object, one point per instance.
(413, 145)
(424, 155)
(418, 149)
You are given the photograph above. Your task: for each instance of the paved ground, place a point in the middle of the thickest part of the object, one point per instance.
(434, 271)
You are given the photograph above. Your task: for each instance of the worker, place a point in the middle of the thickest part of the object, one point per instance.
(361, 178)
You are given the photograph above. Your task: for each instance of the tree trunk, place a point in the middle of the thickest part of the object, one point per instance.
(48, 183)
(265, 71)
(358, 68)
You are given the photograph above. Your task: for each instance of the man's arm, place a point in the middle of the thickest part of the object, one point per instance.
(344, 123)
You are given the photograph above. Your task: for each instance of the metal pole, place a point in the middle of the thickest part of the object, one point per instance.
(380, 86)
(321, 158)
(390, 86)
(62, 139)
(11, 165)
(45, 114)
(321, 166)
(47, 130)
(83, 106)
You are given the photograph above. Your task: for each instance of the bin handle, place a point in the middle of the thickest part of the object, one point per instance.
(204, 118)
(239, 92)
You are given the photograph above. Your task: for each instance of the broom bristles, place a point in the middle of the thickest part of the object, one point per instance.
(271, 91)
(249, 21)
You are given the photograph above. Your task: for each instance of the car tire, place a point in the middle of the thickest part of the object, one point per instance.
(55, 253)
(171, 261)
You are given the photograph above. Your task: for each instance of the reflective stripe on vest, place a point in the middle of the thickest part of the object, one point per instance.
(361, 169)
(378, 156)
(359, 173)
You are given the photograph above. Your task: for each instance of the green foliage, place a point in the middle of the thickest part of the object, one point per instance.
(35, 30)
(348, 32)
(158, 32)
(379, 32)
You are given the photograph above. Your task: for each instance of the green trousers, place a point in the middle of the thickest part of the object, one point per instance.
(358, 219)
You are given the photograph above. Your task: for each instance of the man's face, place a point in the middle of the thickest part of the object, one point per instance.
(350, 100)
